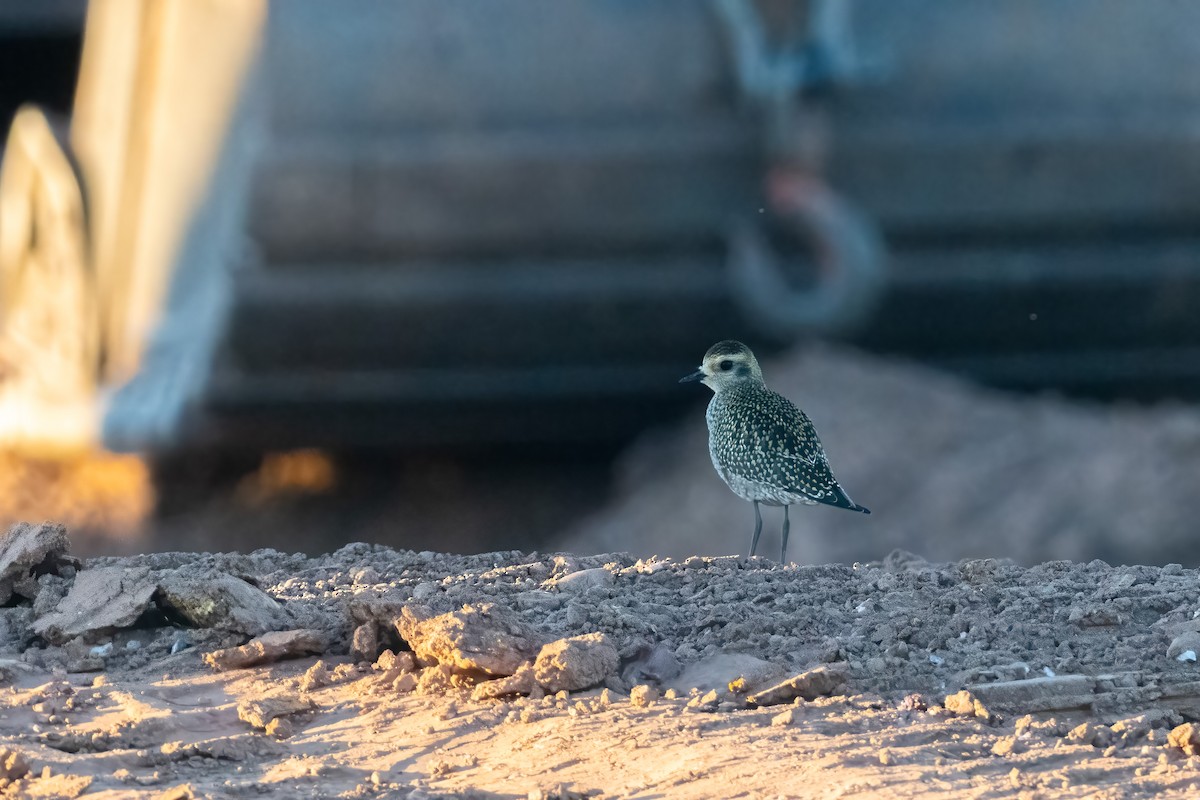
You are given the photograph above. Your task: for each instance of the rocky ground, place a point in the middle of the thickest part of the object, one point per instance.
(373, 672)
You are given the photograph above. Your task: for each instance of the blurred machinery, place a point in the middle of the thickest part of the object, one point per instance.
(99, 219)
(465, 223)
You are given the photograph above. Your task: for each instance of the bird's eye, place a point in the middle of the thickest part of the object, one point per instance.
(726, 365)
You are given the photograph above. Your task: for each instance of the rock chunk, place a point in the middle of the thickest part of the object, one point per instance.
(260, 713)
(966, 704)
(13, 765)
(101, 601)
(784, 718)
(575, 663)
(485, 638)
(1185, 646)
(364, 643)
(27, 551)
(520, 682)
(395, 662)
(1132, 729)
(643, 695)
(584, 579)
(316, 677)
(265, 649)
(718, 671)
(106, 599)
(1090, 733)
(59, 786)
(808, 685)
(1037, 694)
(405, 683)
(218, 601)
(655, 662)
(1007, 746)
(707, 702)
(1186, 737)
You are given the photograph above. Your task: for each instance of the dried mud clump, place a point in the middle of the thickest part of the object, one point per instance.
(578, 662)
(966, 704)
(13, 766)
(218, 601)
(521, 682)
(112, 612)
(27, 552)
(740, 672)
(364, 642)
(274, 714)
(809, 685)
(100, 602)
(268, 648)
(1186, 737)
(565, 665)
(107, 599)
(478, 638)
(643, 695)
(182, 792)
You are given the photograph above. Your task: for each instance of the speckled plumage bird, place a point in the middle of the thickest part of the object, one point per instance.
(762, 446)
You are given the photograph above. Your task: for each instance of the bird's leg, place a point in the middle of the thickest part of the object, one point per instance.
(786, 525)
(757, 528)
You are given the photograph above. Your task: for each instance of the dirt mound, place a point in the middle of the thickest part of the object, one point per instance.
(900, 625)
(529, 673)
(950, 471)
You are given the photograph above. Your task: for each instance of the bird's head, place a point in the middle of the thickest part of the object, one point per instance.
(726, 364)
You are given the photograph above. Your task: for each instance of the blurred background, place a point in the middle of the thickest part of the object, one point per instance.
(297, 274)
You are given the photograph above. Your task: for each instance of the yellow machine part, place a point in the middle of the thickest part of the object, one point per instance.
(82, 291)
(48, 321)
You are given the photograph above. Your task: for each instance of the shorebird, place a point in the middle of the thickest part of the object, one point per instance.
(761, 445)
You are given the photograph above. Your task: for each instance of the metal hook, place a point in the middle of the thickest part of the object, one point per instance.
(849, 254)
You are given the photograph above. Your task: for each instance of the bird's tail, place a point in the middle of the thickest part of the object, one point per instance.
(842, 500)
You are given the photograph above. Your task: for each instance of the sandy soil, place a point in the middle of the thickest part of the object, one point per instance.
(386, 673)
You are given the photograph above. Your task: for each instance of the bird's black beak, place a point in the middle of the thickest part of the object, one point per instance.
(698, 375)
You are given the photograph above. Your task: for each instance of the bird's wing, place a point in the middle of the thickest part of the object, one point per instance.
(789, 441)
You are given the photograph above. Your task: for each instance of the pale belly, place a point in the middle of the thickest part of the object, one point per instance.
(756, 491)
